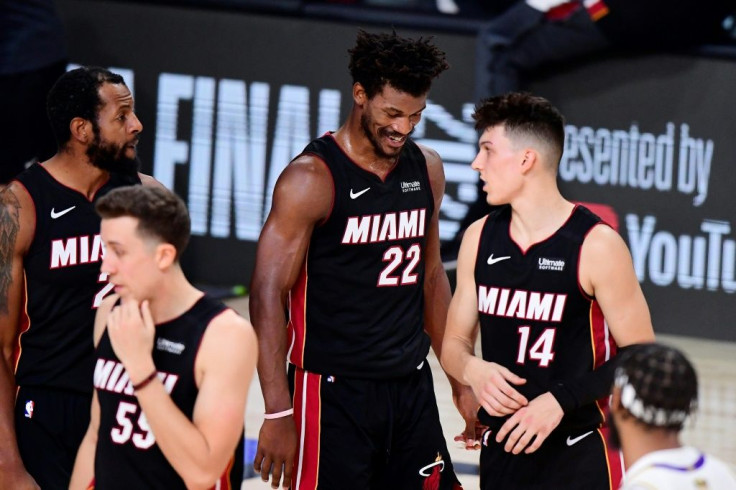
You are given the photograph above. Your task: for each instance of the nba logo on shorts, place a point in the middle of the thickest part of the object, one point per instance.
(29, 409)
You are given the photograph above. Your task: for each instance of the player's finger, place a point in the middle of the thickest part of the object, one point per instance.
(146, 314)
(494, 408)
(523, 442)
(511, 392)
(536, 443)
(287, 474)
(276, 473)
(502, 403)
(266, 468)
(507, 427)
(513, 438)
(511, 377)
(471, 442)
(258, 460)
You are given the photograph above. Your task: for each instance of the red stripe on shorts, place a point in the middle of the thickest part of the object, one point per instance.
(307, 413)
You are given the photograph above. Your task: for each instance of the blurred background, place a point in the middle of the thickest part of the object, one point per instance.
(229, 91)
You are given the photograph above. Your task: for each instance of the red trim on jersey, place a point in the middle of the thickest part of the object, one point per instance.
(603, 348)
(24, 324)
(223, 483)
(525, 250)
(351, 160)
(596, 9)
(297, 328)
(89, 199)
(614, 460)
(562, 12)
(307, 416)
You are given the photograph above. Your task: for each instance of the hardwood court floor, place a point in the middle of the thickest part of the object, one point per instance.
(713, 430)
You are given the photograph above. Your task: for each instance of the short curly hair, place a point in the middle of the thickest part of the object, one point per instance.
(76, 94)
(408, 65)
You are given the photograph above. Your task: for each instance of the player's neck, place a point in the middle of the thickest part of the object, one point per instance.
(76, 172)
(641, 442)
(359, 149)
(536, 218)
(174, 296)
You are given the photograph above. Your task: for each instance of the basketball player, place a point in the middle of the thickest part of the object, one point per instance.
(173, 366)
(655, 390)
(50, 280)
(351, 245)
(540, 274)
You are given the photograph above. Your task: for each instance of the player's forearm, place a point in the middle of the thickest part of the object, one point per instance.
(84, 464)
(456, 356)
(181, 442)
(9, 455)
(437, 297)
(269, 323)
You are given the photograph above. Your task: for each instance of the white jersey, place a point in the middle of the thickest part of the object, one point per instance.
(684, 468)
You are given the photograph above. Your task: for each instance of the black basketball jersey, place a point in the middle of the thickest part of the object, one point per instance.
(127, 455)
(64, 285)
(357, 306)
(535, 318)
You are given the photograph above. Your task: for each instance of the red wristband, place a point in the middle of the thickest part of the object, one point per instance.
(145, 382)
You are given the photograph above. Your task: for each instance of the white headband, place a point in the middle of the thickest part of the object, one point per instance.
(658, 417)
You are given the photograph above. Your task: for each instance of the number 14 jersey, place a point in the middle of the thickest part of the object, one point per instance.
(535, 318)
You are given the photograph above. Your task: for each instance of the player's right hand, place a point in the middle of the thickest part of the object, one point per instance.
(276, 449)
(492, 385)
(17, 479)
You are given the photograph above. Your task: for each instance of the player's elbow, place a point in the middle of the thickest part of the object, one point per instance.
(201, 478)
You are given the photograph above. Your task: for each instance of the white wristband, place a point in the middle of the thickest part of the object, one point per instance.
(278, 415)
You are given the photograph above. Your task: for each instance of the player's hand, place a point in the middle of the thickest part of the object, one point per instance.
(492, 385)
(276, 450)
(529, 426)
(17, 478)
(131, 329)
(467, 405)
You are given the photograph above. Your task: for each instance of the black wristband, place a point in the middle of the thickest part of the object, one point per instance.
(146, 381)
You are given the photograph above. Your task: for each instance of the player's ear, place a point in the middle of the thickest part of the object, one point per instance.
(529, 159)
(81, 130)
(165, 255)
(359, 95)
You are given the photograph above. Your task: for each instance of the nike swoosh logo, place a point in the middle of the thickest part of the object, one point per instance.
(55, 215)
(492, 261)
(355, 195)
(571, 441)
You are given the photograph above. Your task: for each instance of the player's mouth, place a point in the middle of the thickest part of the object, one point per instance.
(395, 140)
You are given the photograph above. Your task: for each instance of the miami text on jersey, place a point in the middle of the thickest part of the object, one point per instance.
(76, 250)
(527, 305)
(385, 227)
(111, 376)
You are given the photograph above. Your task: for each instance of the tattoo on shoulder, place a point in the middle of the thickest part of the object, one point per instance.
(9, 224)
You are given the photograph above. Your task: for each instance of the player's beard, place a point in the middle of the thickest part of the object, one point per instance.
(365, 123)
(112, 157)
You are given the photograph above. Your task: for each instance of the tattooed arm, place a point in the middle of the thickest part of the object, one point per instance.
(17, 225)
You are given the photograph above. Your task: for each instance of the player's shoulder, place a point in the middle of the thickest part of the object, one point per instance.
(602, 239)
(149, 180)
(17, 214)
(431, 156)
(228, 336)
(228, 324)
